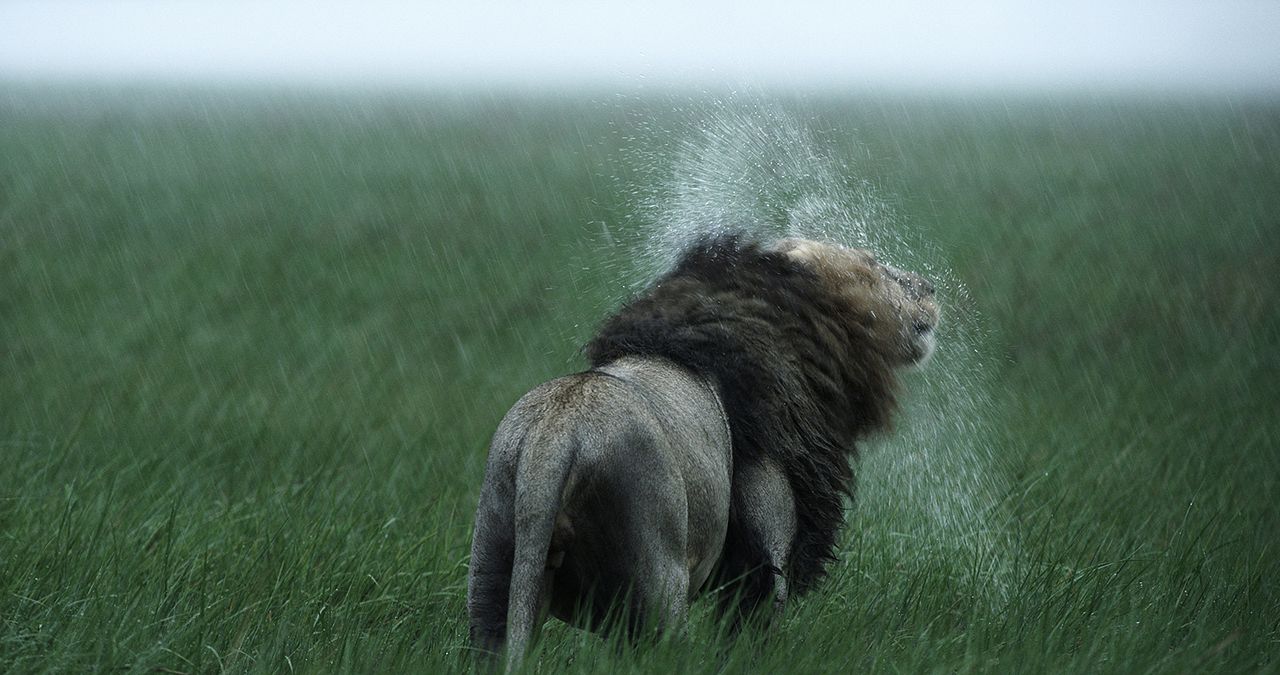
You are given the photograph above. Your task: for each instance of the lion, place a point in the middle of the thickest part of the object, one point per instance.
(708, 444)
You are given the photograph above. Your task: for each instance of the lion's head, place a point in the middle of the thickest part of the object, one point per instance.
(895, 306)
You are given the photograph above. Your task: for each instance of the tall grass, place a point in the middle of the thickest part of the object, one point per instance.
(254, 345)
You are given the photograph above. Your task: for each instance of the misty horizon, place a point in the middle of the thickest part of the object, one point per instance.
(1229, 46)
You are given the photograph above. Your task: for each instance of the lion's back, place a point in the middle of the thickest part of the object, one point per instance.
(617, 409)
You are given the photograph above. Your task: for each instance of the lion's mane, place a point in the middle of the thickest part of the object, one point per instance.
(799, 374)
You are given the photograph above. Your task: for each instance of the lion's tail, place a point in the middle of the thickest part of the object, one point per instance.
(543, 472)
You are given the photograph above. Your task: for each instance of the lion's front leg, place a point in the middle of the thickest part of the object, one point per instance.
(765, 520)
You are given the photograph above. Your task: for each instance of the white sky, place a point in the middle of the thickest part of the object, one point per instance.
(1218, 44)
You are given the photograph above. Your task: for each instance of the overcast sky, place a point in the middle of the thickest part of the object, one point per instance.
(1180, 44)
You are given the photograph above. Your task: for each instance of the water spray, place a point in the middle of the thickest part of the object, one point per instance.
(931, 489)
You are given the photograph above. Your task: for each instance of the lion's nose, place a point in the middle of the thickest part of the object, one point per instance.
(924, 286)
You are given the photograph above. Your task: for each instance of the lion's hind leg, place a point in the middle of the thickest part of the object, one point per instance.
(665, 604)
(650, 554)
(654, 606)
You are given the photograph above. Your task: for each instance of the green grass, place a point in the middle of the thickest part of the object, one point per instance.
(254, 346)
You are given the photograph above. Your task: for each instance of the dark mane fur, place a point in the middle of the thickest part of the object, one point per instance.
(800, 376)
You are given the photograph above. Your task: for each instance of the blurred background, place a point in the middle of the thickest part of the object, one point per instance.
(1177, 44)
(271, 272)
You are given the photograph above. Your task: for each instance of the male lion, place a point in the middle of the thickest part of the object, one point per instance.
(711, 436)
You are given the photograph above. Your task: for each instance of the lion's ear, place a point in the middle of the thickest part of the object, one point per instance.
(800, 250)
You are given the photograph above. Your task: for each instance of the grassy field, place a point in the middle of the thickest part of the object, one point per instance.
(252, 348)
